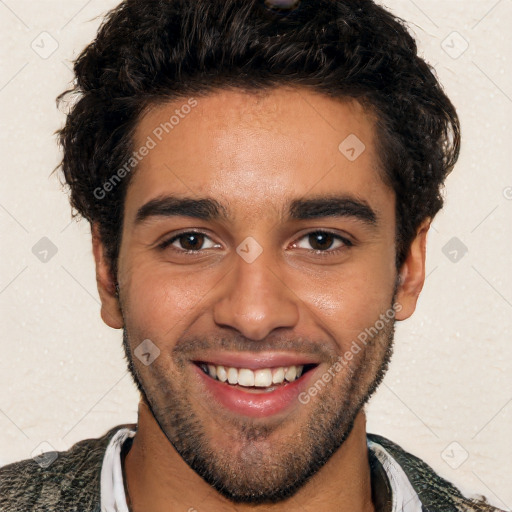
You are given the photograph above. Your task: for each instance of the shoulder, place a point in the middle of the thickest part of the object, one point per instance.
(435, 493)
(58, 481)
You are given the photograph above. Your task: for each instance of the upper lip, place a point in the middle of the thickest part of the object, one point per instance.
(256, 361)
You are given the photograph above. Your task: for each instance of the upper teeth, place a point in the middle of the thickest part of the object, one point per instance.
(261, 378)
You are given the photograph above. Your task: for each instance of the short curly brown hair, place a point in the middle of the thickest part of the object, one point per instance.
(154, 51)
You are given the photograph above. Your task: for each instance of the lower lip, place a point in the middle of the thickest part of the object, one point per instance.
(256, 405)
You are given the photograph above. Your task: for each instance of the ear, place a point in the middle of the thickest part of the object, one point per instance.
(412, 273)
(105, 280)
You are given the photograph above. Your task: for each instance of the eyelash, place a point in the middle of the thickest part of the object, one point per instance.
(328, 252)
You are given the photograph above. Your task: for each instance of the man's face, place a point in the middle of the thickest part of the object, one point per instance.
(274, 281)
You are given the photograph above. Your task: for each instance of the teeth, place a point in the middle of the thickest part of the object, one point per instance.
(278, 375)
(212, 370)
(245, 377)
(232, 375)
(222, 374)
(291, 373)
(261, 378)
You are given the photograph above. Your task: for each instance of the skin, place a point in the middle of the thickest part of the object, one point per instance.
(254, 154)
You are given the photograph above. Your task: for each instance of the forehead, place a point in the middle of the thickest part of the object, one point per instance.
(257, 150)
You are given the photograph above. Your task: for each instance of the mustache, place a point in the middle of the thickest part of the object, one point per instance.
(189, 347)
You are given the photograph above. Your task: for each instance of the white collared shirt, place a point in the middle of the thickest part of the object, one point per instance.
(113, 498)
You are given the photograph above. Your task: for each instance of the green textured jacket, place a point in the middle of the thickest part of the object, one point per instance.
(71, 483)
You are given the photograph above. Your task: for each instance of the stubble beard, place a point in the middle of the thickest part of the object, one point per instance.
(265, 469)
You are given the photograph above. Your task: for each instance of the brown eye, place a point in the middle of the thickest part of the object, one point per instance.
(323, 241)
(320, 240)
(191, 241)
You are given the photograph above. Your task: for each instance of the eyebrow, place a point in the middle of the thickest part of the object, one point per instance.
(333, 206)
(299, 209)
(171, 206)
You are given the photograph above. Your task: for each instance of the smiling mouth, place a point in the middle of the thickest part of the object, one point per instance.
(263, 379)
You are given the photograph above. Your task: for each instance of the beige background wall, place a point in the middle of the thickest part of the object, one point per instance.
(448, 395)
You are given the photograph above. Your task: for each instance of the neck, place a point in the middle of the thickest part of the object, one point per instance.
(158, 479)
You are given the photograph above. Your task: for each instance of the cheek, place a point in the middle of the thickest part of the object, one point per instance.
(160, 301)
(349, 300)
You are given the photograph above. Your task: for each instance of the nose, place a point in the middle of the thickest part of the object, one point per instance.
(255, 300)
